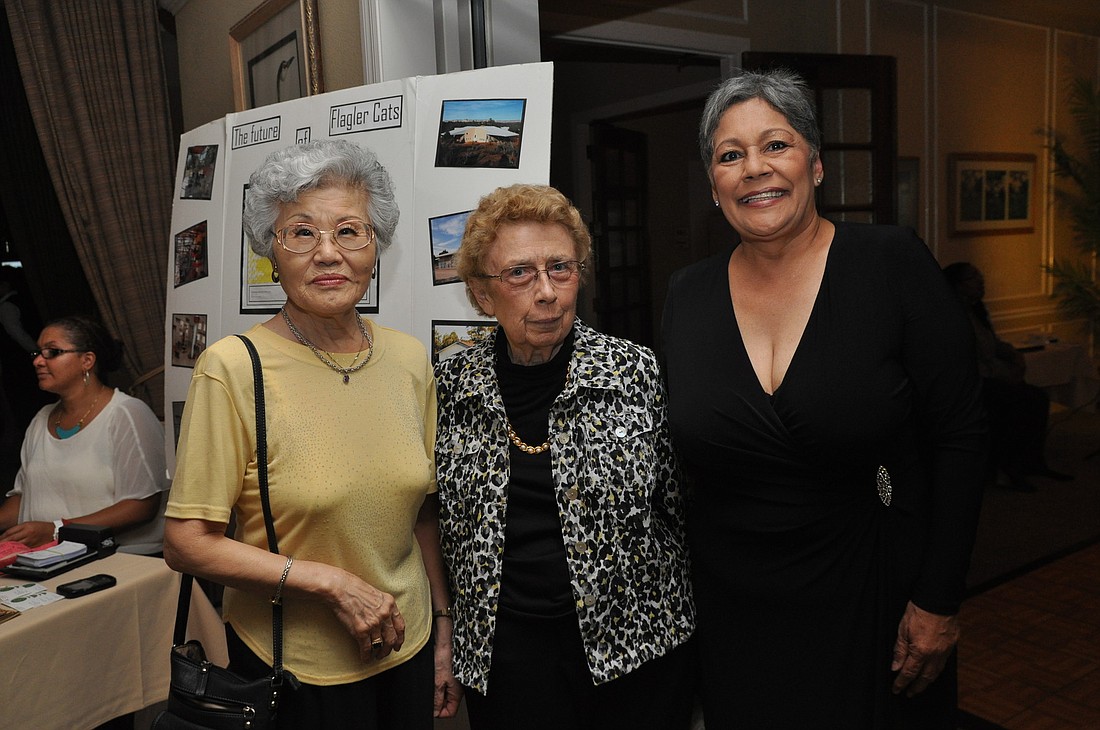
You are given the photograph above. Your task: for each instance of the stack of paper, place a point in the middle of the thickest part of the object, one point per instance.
(8, 551)
(58, 553)
(25, 596)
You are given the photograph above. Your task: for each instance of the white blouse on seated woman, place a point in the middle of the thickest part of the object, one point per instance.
(118, 455)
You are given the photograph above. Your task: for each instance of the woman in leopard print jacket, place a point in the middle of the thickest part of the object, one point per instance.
(561, 510)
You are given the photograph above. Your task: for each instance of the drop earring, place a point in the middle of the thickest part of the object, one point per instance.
(275, 272)
(85, 377)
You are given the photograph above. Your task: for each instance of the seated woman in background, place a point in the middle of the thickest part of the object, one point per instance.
(96, 456)
(1018, 411)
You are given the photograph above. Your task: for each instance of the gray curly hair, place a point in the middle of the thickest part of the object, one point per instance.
(782, 88)
(289, 172)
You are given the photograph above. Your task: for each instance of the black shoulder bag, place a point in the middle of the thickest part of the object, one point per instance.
(202, 695)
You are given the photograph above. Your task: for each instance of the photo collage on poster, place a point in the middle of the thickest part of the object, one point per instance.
(473, 133)
(445, 141)
(191, 257)
(478, 133)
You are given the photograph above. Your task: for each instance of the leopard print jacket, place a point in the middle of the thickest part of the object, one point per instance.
(618, 496)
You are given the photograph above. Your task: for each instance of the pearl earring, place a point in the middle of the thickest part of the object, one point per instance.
(818, 181)
(716, 203)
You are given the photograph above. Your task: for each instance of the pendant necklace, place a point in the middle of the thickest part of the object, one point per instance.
(64, 433)
(327, 358)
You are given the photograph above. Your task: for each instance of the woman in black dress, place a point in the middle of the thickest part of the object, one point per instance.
(824, 397)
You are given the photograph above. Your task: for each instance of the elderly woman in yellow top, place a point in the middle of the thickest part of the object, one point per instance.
(350, 427)
(561, 512)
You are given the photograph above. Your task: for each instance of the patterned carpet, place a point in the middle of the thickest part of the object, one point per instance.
(1029, 657)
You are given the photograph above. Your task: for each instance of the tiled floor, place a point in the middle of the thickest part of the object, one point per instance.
(1029, 656)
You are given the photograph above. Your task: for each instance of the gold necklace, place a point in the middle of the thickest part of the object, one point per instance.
(67, 432)
(330, 360)
(521, 444)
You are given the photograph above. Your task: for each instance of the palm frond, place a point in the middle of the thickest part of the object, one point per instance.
(1077, 292)
(1076, 289)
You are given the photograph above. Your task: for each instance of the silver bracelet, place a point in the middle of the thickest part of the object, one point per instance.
(277, 599)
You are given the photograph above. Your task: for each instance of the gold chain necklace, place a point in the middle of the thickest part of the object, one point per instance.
(521, 444)
(67, 432)
(330, 360)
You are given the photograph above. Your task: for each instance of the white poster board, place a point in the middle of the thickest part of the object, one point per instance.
(445, 140)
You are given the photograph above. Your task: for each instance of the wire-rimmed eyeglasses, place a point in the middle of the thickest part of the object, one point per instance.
(518, 277)
(350, 235)
(49, 353)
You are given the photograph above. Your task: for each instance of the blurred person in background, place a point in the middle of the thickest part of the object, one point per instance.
(96, 456)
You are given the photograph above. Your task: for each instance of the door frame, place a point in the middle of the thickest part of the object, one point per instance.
(727, 49)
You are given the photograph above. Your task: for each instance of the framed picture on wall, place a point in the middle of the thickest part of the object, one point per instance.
(990, 193)
(275, 53)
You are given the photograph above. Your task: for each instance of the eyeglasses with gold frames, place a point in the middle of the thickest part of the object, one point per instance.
(350, 235)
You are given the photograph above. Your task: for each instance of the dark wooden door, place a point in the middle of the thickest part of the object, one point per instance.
(620, 237)
(856, 100)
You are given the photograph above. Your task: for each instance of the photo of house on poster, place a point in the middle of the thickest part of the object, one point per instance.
(446, 235)
(400, 121)
(480, 133)
(452, 337)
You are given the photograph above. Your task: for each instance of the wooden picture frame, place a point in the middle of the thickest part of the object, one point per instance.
(275, 54)
(991, 193)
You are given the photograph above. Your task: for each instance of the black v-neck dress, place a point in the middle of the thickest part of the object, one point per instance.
(802, 570)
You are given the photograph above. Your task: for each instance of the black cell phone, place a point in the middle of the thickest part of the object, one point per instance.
(84, 586)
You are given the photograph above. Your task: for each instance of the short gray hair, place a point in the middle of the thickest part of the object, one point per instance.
(781, 88)
(289, 172)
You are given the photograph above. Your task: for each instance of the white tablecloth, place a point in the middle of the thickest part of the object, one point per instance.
(1066, 372)
(79, 662)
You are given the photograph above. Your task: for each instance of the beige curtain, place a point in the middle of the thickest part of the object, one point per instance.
(94, 79)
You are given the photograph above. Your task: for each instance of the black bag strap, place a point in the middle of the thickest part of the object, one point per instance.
(265, 500)
(184, 604)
